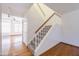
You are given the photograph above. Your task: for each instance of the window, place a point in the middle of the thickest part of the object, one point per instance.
(11, 28)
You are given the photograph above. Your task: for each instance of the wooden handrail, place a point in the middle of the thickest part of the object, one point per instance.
(44, 23)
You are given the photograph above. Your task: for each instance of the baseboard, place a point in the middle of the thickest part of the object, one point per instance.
(24, 43)
(70, 44)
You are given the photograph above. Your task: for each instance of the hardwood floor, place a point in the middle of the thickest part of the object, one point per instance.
(62, 49)
(13, 46)
(18, 49)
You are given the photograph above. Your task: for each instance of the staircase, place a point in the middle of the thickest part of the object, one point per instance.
(37, 39)
(40, 36)
(40, 33)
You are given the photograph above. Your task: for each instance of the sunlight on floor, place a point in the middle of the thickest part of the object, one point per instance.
(9, 42)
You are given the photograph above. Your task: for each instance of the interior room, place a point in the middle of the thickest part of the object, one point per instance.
(39, 29)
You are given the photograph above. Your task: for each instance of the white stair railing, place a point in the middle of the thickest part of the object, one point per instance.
(40, 33)
(39, 36)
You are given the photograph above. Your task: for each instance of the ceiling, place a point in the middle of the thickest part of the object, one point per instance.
(63, 8)
(16, 9)
(19, 9)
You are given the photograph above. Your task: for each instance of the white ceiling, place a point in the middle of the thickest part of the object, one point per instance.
(16, 9)
(19, 9)
(63, 8)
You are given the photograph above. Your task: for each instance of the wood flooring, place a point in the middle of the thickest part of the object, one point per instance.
(18, 49)
(62, 49)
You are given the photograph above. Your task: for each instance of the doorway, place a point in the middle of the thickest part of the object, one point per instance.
(11, 33)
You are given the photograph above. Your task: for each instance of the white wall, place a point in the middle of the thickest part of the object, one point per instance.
(0, 32)
(71, 28)
(53, 37)
(24, 30)
(34, 19)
